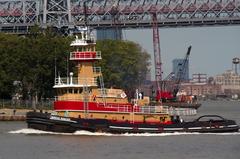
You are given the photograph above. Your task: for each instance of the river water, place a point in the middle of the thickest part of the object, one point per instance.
(18, 142)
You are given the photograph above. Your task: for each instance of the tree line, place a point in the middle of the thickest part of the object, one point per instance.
(27, 63)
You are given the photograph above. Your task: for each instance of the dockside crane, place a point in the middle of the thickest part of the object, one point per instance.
(170, 85)
(160, 92)
(157, 56)
(181, 72)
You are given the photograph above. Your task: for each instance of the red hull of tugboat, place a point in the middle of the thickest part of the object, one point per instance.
(79, 105)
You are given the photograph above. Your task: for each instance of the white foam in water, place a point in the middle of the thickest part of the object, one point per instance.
(87, 133)
(34, 131)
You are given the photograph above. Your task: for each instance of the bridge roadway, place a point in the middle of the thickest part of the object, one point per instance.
(19, 15)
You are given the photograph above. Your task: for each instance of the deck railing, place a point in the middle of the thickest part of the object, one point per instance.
(75, 81)
(60, 98)
(152, 109)
(85, 55)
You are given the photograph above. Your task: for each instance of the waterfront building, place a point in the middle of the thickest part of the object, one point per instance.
(199, 78)
(177, 67)
(230, 82)
(201, 89)
(201, 85)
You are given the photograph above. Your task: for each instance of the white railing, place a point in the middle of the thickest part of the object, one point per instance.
(85, 55)
(67, 81)
(118, 108)
(152, 109)
(114, 93)
(78, 42)
(82, 42)
(59, 98)
(182, 111)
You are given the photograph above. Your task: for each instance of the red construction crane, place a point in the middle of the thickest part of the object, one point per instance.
(157, 56)
(158, 65)
(173, 81)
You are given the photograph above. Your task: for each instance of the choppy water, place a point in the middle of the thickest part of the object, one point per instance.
(16, 141)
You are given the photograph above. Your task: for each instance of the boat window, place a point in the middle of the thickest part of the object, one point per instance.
(59, 92)
(162, 119)
(90, 90)
(75, 91)
(80, 90)
(70, 91)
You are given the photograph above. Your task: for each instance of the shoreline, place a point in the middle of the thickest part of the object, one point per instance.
(14, 114)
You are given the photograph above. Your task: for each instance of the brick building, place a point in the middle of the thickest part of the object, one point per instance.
(201, 85)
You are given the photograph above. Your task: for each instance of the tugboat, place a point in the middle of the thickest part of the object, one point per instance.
(82, 103)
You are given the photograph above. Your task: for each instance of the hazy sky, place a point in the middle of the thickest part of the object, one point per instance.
(213, 48)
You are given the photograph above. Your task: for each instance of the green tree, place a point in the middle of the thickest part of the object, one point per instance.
(124, 64)
(8, 59)
(31, 60)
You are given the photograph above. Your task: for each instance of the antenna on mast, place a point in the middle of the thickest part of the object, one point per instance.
(55, 67)
(67, 65)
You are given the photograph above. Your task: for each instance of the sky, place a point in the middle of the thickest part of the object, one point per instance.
(213, 48)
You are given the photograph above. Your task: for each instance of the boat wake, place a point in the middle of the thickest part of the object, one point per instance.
(28, 131)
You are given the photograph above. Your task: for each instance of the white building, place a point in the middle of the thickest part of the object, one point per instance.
(230, 82)
(199, 78)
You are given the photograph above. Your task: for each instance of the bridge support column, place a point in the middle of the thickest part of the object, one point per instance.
(45, 13)
(57, 13)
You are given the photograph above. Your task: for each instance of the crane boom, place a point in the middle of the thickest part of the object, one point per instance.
(181, 72)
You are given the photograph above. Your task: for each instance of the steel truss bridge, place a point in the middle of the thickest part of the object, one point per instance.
(19, 15)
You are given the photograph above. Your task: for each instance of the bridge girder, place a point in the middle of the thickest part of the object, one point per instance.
(130, 13)
(19, 12)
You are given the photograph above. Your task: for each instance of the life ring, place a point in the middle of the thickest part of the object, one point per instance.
(123, 95)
